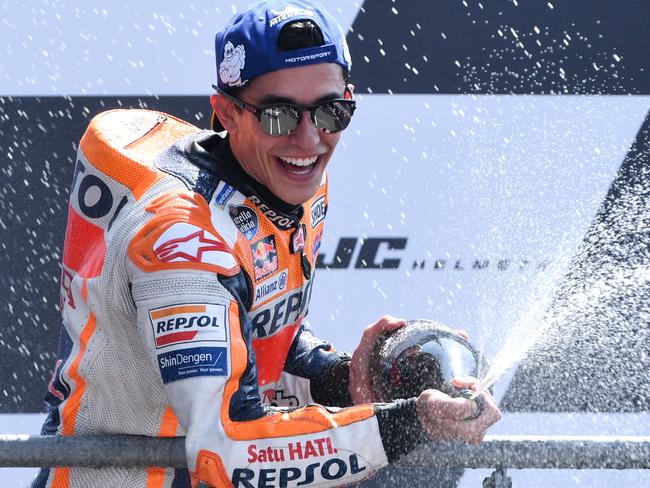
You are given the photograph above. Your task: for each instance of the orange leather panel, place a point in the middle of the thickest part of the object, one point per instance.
(71, 407)
(85, 249)
(168, 427)
(305, 420)
(269, 362)
(171, 209)
(178, 309)
(61, 478)
(210, 468)
(122, 144)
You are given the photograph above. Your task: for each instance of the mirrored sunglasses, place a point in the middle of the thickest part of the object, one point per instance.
(280, 119)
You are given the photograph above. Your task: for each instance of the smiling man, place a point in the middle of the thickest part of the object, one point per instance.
(278, 146)
(187, 274)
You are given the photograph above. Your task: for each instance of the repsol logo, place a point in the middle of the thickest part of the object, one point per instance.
(187, 323)
(330, 470)
(284, 310)
(191, 322)
(318, 210)
(279, 220)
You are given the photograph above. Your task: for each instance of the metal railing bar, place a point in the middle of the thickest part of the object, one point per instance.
(91, 451)
(536, 452)
(515, 452)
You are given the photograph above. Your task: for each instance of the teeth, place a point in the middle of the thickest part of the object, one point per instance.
(299, 161)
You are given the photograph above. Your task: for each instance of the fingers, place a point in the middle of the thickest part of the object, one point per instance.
(491, 413)
(444, 406)
(462, 382)
(360, 385)
(384, 325)
(442, 417)
(476, 428)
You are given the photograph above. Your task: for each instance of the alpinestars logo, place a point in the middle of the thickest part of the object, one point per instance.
(190, 248)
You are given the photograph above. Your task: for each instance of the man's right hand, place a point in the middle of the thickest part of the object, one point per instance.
(442, 417)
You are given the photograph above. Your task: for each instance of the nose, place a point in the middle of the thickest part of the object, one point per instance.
(306, 134)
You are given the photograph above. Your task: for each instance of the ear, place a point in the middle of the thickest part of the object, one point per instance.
(225, 111)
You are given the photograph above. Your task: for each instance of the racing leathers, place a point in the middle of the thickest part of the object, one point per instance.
(185, 286)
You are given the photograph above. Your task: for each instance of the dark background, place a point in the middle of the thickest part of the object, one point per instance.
(38, 138)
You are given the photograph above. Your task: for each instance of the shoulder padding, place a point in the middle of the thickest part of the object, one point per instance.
(180, 236)
(123, 144)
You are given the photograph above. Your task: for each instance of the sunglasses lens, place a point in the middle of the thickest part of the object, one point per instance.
(333, 116)
(279, 120)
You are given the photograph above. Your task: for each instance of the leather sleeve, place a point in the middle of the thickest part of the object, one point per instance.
(326, 369)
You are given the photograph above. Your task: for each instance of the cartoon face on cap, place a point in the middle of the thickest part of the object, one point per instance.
(247, 46)
(234, 60)
(228, 51)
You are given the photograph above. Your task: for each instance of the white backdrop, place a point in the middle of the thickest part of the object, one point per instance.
(461, 178)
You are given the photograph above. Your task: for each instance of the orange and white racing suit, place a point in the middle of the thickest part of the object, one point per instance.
(184, 290)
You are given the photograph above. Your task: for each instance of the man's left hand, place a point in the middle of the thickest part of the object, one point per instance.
(360, 385)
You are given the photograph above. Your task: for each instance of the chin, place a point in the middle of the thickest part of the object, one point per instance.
(298, 193)
(295, 198)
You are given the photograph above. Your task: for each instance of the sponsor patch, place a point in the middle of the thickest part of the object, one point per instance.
(318, 447)
(224, 195)
(298, 239)
(317, 473)
(245, 219)
(188, 243)
(192, 362)
(280, 312)
(278, 398)
(57, 385)
(316, 245)
(320, 459)
(265, 257)
(271, 287)
(186, 323)
(281, 221)
(317, 211)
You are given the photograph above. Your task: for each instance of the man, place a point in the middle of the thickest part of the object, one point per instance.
(187, 273)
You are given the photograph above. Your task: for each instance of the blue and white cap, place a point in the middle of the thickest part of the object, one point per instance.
(247, 47)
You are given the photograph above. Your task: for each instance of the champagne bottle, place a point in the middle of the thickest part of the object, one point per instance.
(421, 355)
